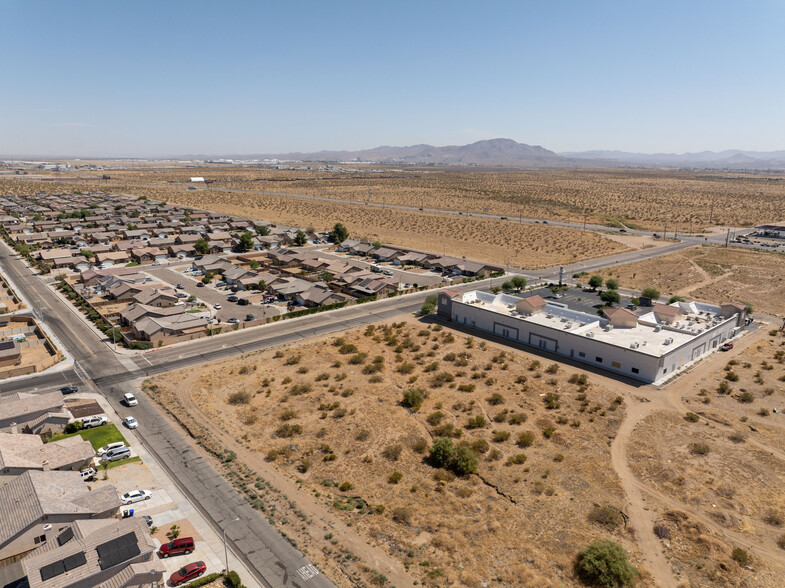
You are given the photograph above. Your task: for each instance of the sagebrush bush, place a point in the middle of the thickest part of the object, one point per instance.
(239, 397)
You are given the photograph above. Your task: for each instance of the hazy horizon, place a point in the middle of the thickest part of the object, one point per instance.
(160, 80)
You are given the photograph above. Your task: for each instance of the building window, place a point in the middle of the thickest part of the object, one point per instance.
(598, 359)
(635, 370)
(581, 354)
(41, 539)
(665, 370)
(615, 364)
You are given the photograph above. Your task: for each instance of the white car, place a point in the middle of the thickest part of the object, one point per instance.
(136, 496)
(217, 306)
(106, 448)
(130, 422)
(130, 399)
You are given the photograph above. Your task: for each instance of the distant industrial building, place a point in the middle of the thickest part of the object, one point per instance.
(649, 347)
(776, 231)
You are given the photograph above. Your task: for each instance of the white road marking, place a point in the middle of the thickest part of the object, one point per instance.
(308, 572)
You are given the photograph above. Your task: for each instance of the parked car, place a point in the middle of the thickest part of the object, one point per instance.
(130, 422)
(148, 520)
(233, 320)
(232, 298)
(102, 450)
(726, 346)
(181, 295)
(200, 284)
(180, 286)
(88, 474)
(183, 545)
(631, 307)
(136, 496)
(94, 421)
(217, 306)
(116, 454)
(388, 272)
(130, 399)
(69, 390)
(249, 317)
(189, 572)
(504, 218)
(622, 230)
(243, 302)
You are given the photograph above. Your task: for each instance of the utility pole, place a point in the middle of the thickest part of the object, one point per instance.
(711, 211)
(584, 220)
(727, 238)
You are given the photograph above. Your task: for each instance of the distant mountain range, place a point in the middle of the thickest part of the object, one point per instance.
(509, 153)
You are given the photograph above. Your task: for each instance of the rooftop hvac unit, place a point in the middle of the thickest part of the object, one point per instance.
(563, 319)
(668, 341)
(658, 328)
(549, 316)
(634, 345)
(608, 327)
(590, 335)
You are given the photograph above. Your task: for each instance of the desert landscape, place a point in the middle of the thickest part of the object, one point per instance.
(713, 274)
(351, 423)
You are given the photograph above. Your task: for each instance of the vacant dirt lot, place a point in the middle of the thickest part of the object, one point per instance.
(713, 274)
(646, 198)
(332, 415)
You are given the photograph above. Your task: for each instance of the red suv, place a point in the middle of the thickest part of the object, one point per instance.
(184, 545)
(189, 572)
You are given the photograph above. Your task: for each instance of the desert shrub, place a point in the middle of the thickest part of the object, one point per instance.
(724, 388)
(305, 465)
(441, 379)
(403, 515)
(362, 435)
(443, 476)
(239, 397)
(732, 376)
(517, 459)
(466, 387)
(476, 422)
(442, 452)
(662, 532)
(392, 452)
(435, 418)
(293, 360)
(323, 376)
(746, 397)
(447, 430)
(763, 412)
(552, 369)
(465, 462)
(345, 486)
(525, 439)
(548, 432)
(347, 349)
(288, 430)
(406, 367)
(395, 477)
(413, 399)
(431, 367)
(500, 436)
(580, 379)
(699, 449)
(500, 417)
(605, 515)
(604, 563)
(517, 418)
(419, 445)
(781, 542)
(737, 437)
(495, 399)
(774, 518)
(288, 415)
(741, 557)
(691, 417)
(480, 446)
(551, 400)
(357, 358)
(534, 365)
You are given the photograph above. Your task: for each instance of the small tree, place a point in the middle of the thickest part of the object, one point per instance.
(300, 238)
(174, 531)
(612, 284)
(86, 253)
(430, 304)
(339, 233)
(519, 282)
(595, 282)
(413, 398)
(246, 242)
(262, 285)
(202, 246)
(465, 461)
(262, 230)
(604, 563)
(508, 286)
(208, 277)
(442, 452)
(651, 293)
(673, 299)
(377, 244)
(253, 264)
(610, 297)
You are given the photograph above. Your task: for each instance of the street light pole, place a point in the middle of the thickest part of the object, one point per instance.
(226, 549)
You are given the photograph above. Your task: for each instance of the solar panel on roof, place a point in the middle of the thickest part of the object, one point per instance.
(52, 570)
(65, 536)
(74, 561)
(117, 550)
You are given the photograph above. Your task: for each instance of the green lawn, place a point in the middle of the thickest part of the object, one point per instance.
(97, 436)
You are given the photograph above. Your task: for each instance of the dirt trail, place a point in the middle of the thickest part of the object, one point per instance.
(372, 556)
(706, 280)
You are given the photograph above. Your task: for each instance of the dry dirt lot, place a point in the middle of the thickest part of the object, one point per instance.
(646, 198)
(713, 274)
(318, 433)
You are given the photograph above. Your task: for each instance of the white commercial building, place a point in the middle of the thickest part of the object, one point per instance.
(649, 347)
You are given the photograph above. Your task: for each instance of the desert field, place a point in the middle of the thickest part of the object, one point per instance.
(636, 198)
(713, 274)
(332, 440)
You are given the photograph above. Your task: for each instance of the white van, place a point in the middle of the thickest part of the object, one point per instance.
(115, 454)
(376, 268)
(130, 399)
(105, 448)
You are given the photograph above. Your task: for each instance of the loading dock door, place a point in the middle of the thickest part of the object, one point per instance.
(505, 331)
(543, 342)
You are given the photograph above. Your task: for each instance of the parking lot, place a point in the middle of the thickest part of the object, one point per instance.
(583, 300)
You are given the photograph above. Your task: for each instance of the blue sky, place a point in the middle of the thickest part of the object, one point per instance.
(159, 78)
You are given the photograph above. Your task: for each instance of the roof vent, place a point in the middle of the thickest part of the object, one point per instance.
(590, 335)
(634, 345)
(668, 341)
